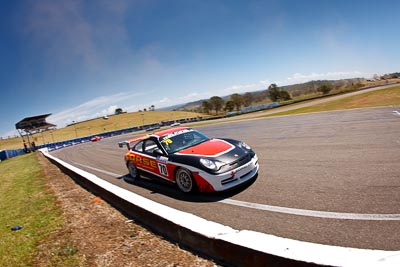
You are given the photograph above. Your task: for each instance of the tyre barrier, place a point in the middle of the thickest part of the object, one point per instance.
(221, 243)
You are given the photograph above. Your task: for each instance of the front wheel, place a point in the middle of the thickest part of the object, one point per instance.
(185, 181)
(133, 171)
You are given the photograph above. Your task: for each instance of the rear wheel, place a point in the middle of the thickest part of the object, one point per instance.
(185, 181)
(133, 171)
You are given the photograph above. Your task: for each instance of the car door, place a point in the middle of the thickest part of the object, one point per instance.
(144, 157)
(158, 163)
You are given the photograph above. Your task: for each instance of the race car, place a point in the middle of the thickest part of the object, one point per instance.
(191, 160)
(95, 138)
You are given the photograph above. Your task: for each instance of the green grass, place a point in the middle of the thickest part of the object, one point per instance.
(384, 97)
(26, 201)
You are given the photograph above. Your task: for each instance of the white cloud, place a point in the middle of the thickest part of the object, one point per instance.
(96, 107)
(266, 83)
(301, 78)
(189, 97)
(167, 102)
(247, 87)
(110, 110)
(12, 133)
(164, 100)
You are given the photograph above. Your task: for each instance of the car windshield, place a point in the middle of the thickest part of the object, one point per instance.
(181, 140)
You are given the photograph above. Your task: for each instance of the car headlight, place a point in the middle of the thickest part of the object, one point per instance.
(244, 145)
(211, 164)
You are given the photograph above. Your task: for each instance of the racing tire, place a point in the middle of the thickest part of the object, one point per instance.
(133, 171)
(184, 180)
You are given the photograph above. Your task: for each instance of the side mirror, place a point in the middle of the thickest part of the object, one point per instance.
(158, 152)
(124, 143)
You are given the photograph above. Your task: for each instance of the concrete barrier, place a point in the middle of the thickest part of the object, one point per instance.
(226, 245)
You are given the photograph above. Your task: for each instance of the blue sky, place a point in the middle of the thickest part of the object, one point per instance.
(82, 59)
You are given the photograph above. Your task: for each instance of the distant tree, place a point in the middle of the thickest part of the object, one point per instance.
(198, 109)
(206, 106)
(217, 103)
(118, 111)
(145, 109)
(324, 89)
(152, 108)
(273, 92)
(237, 101)
(357, 86)
(229, 106)
(247, 99)
(284, 95)
(259, 96)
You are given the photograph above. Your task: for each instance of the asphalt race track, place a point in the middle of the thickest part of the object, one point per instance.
(328, 178)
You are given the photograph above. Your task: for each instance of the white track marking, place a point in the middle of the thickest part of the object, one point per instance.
(314, 213)
(249, 241)
(292, 211)
(100, 170)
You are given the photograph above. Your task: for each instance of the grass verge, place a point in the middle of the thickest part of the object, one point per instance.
(384, 97)
(26, 201)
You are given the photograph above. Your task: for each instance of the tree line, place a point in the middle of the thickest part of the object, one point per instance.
(237, 101)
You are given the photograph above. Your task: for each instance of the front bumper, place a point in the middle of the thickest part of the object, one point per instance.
(233, 178)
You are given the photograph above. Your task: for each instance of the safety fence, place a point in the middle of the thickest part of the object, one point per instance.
(7, 154)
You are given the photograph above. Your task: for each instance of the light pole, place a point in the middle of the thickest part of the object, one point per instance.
(76, 133)
(42, 137)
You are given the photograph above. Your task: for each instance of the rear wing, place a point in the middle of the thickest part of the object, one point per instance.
(129, 143)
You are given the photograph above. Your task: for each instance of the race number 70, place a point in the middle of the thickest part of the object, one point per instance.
(163, 169)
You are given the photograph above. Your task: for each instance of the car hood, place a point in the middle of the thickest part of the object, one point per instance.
(210, 148)
(225, 151)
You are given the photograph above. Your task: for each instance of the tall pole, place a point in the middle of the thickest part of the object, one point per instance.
(76, 133)
(42, 137)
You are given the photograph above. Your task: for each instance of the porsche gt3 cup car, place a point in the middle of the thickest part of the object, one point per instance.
(191, 160)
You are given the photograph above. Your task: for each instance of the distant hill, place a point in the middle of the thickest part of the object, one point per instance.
(189, 105)
(312, 86)
(294, 90)
(175, 107)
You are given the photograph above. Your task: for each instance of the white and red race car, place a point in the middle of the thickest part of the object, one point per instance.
(95, 138)
(191, 160)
